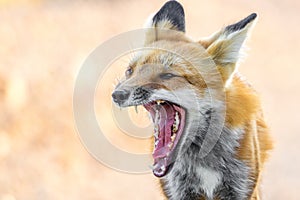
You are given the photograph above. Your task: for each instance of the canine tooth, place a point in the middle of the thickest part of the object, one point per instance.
(156, 143)
(177, 121)
(155, 134)
(170, 145)
(136, 109)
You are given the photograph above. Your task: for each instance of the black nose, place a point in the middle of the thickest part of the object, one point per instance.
(120, 95)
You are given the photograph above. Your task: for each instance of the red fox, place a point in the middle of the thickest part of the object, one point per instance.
(169, 79)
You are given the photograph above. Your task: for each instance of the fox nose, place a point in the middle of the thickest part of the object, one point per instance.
(120, 95)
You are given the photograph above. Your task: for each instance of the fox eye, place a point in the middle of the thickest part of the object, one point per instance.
(167, 76)
(128, 72)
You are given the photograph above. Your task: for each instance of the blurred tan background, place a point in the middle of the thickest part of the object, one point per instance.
(44, 43)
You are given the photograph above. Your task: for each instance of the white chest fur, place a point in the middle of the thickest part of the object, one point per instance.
(210, 179)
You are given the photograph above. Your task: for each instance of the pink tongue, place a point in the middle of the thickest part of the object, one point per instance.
(166, 114)
(161, 151)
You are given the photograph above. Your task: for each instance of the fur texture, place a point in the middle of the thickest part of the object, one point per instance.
(200, 70)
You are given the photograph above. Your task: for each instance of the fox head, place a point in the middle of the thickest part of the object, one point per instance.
(173, 77)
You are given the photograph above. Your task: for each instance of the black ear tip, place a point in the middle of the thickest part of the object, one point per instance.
(172, 3)
(241, 24)
(173, 6)
(252, 16)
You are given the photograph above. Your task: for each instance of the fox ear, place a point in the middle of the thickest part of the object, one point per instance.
(169, 18)
(225, 47)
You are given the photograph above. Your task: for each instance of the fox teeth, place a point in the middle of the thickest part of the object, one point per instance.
(155, 134)
(170, 145)
(177, 118)
(173, 137)
(163, 168)
(174, 128)
(159, 102)
(176, 123)
(156, 143)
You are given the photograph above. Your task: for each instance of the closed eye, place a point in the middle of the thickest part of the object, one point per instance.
(166, 76)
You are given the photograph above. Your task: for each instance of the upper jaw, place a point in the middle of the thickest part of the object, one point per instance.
(129, 102)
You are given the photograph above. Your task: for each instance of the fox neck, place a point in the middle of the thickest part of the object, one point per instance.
(203, 126)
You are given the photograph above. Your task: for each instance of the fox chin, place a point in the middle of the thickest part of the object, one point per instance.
(190, 88)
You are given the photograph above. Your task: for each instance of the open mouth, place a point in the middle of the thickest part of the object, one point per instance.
(169, 121)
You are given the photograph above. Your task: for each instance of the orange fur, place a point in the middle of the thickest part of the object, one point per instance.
(256, 141)
(243, 108)
(172, 52)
